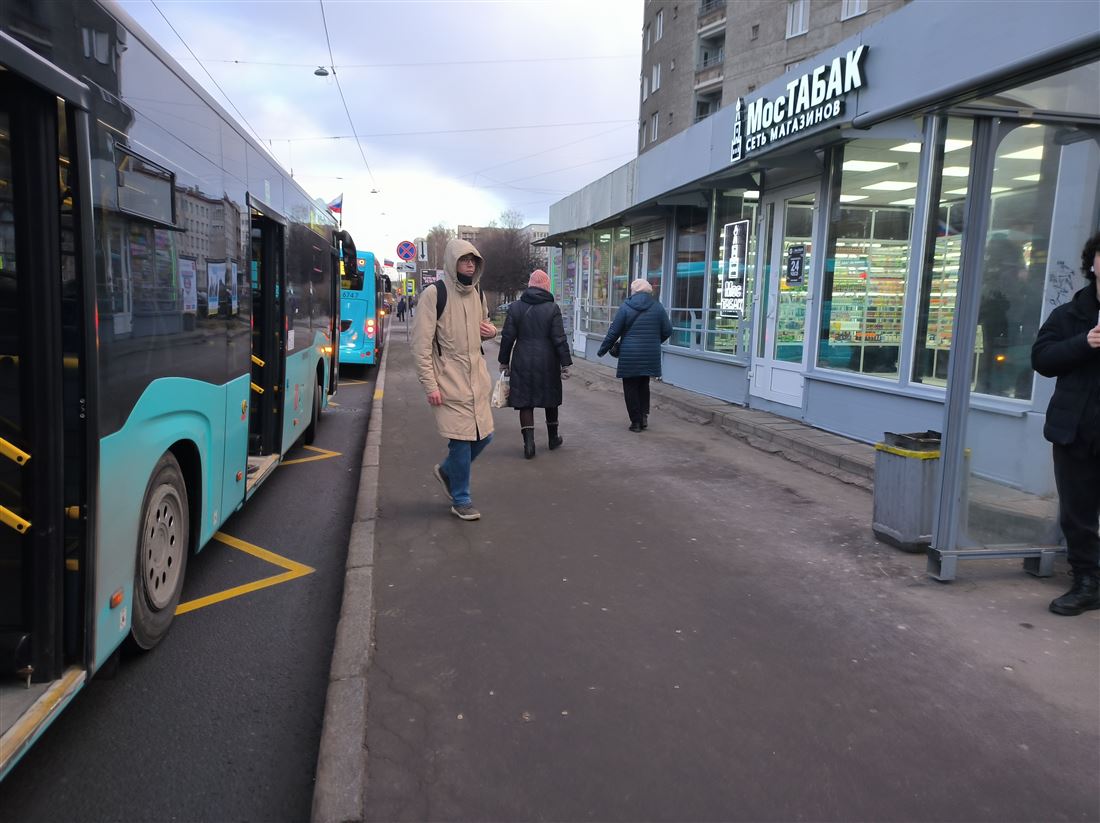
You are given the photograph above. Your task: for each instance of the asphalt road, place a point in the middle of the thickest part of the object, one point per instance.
(674, 626)
(223, 720)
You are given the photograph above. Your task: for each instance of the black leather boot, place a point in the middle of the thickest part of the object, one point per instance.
(1083, 596)
(552, 436)
(528, 433)
(645, 420)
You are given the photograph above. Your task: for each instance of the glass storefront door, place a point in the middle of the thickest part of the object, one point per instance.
(784, 284)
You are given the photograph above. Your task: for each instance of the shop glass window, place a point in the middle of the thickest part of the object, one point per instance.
(688, 286)
(620, 268)
(867, 258)
(584, 295)
(600, 308)
(733, 260)
(940, 271)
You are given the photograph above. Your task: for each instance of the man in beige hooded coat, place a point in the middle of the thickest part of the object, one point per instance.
(451, 368)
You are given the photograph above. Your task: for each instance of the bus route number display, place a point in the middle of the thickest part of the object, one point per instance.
(732, 288)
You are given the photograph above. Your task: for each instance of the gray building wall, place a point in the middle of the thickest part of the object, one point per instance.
(749, 59)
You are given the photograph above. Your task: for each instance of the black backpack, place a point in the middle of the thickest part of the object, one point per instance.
(441, 304)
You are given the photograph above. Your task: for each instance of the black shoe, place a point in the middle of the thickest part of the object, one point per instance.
(1083, 596)
(528, 441)
(645, 421)
(552, 439)
(635, 426)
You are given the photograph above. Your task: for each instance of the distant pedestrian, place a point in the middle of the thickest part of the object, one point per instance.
(412, 306)
(401, 309)
(641, 325)
(1068, 347)
(534, 353)
(451, 368)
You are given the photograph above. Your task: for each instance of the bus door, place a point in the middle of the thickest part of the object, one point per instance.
(44, 407)
(268, 343)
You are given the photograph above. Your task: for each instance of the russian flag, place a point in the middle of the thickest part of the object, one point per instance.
(387, 264)
(337, 205)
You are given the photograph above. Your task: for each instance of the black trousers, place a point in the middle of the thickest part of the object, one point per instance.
(1077, 476)
(636, 395)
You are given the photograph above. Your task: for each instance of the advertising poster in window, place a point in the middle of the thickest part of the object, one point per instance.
(795, 257)
(189, 287)
(732, 294)
(217, 290)
(233, 290)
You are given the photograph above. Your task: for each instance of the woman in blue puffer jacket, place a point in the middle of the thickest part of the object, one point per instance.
(641, 325)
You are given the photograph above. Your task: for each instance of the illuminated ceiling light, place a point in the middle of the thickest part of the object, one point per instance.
(956, 171)
(751, 195)
(321, 71)
(890, 185)
(948, 145)
(867, 165)
(1034, 153)
(1028, 178)
(912, 201)
(851, 198)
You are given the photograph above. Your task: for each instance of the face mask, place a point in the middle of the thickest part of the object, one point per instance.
(465, 279)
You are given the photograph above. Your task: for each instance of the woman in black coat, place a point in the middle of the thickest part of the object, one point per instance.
(1068, 347)
(535, 354)
(641, 325)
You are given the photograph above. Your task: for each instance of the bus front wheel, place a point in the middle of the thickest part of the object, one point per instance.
(162, 553)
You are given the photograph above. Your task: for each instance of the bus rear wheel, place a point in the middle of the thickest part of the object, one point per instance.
(310, 433)
(162, 553)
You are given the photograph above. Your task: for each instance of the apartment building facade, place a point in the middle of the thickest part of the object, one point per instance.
(700, 56)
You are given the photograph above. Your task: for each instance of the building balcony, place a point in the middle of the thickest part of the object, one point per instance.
(712, 16)
(708, 78)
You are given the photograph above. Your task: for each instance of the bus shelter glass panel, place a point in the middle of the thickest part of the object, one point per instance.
(1044, 199)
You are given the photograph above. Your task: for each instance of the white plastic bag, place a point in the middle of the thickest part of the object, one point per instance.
(500, 393)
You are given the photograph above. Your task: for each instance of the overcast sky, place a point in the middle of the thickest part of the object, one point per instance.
(463, 109)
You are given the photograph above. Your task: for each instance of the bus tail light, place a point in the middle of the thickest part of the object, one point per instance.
(368, 327)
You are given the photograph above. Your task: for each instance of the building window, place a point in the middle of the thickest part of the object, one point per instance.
(643, 136)
(656, 76)
(869, 240)
(852, 8)
(798, 17)
(645, 88)
(653, 127)
(660, 24)
(688, 291)
(755, 32)
(647, 38)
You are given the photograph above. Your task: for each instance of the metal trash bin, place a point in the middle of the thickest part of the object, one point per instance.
(906, 472)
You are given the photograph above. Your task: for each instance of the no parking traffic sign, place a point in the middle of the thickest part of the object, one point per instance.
(406, 250)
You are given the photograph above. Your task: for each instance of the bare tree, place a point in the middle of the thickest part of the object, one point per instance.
(437, 239)
(509, 258)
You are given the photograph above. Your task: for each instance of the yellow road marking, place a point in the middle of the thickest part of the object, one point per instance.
(325, 454)
(348, 382)
(377, 394)
(293, 568)
(333, 403)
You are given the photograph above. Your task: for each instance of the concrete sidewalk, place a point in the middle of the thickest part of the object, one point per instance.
(673, 626)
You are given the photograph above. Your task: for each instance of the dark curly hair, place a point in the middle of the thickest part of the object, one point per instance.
(1088, 256)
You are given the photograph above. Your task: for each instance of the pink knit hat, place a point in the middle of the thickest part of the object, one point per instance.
(539, 280)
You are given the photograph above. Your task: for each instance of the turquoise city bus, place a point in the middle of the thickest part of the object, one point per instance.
(168, 315)
(362, 311)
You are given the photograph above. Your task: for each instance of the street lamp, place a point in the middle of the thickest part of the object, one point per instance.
(321, 71)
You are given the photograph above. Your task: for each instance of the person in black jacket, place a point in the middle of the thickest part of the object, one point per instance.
(534, 353)
(1068, 348)
(642, 325)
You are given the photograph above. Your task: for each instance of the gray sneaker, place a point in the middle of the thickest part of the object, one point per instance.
(441, 476)
(466, 512)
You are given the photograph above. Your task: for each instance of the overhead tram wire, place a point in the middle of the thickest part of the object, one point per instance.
(229, 100)
(339, 88)
(432, 64)
(546, 151)
(452, 131)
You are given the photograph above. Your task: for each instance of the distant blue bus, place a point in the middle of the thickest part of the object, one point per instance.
(362, 311)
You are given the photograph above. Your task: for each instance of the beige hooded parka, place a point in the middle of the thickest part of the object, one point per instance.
(448, 352)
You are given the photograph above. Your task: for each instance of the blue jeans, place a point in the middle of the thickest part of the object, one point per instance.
(460, 455)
